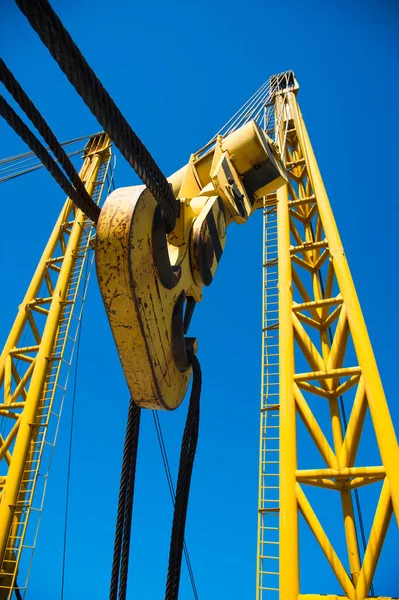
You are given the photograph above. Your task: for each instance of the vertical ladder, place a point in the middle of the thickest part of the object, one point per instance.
(267, 575)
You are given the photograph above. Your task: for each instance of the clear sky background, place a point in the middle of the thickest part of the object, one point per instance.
(178, 71)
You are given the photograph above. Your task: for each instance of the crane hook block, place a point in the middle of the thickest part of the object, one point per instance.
(150, 280)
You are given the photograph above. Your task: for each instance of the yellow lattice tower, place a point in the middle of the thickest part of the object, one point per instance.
(34, 369)
(316, 350)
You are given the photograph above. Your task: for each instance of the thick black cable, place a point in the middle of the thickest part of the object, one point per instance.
(19, 95)
(92, 211)
(187, 456)
(169, 479)
(68, 56)
(118, 538)
(125, 503)
(127, 526)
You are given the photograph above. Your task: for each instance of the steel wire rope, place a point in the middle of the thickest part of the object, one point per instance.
(186, 463)
(237, 116)
(161, 442)
(24, 163)
(31, 169)
(254, 111)
(246, 114)
(254, 102)
(56, 38)
(242, 116)
(165, 460)
(253, 106)
(127, 473)
(127, 525)
(13, 87)
(92, 211)
(32, 154)
(257, 112)
(119, 574)
(16, 164)
(231, 122)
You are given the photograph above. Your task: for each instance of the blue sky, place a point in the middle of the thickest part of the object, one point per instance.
(178, 71)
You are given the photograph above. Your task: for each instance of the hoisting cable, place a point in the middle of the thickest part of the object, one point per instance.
(120, 562)
(127, 525)
(125, 505)
(16, 91)
(187, 456)
(61, 46)
(68, 56)
(92, 210)
(161, 442)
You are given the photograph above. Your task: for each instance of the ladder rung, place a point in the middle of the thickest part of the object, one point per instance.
(272, 407)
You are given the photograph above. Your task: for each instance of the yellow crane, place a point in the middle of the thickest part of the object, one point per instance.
(151, 271)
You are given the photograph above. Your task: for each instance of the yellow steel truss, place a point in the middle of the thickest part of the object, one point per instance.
(34, 368)
(325, 356)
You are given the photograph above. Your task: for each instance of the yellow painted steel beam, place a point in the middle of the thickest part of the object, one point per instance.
(335, 597)
(380, 415)
(28, 416)
(376, 540)
(354, 429)
(352, 545)
(332, 374)
(314, 429)
(289, 549)
(346, 473)
(325, 543)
